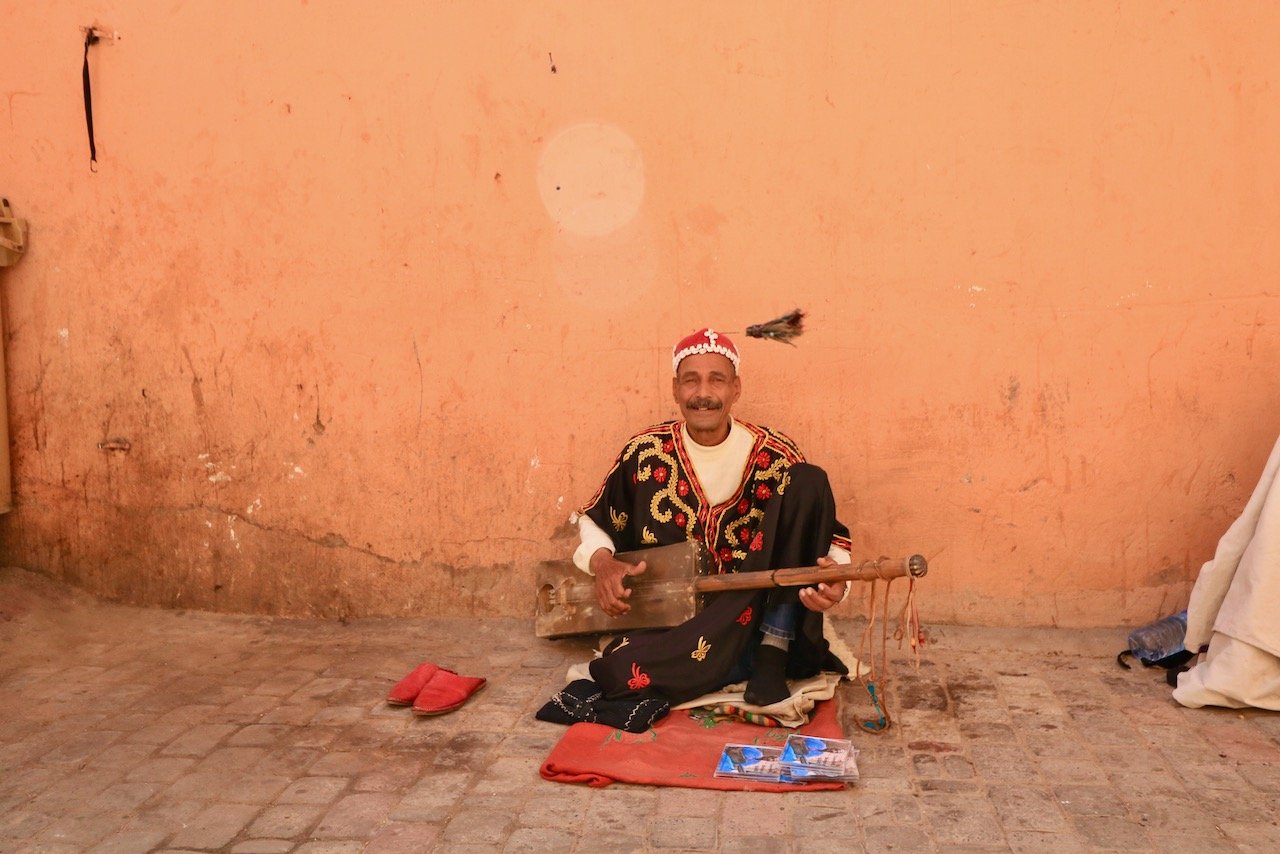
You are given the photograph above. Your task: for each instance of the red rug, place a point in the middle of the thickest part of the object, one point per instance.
(677, 751)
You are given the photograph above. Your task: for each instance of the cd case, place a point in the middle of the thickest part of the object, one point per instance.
(800, 759)
(750, 761)
(806, 757)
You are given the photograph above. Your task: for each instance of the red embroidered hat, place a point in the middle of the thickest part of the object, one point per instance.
(703, 341)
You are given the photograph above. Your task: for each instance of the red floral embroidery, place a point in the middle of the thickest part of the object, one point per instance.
(763, 459)
(745, 616)
(682, 487)
(634, 478)
(726, 554)
(639, 679)
(660, 474)
(681, 519)
(763, 492)
(743, 507)
(744, 534)
(668, 446)
(757, 542)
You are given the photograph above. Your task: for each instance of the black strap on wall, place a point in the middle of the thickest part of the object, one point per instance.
(90, 38)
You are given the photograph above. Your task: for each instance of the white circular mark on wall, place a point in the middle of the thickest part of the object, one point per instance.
(591, 178)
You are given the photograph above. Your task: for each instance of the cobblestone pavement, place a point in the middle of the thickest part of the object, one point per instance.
(133, 730)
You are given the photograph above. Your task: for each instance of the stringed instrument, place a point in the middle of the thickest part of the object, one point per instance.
(672, 587)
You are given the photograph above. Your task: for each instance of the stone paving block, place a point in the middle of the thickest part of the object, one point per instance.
(809, 819)
(252, 706)
(198, 740)
(1075, 768)
(355, 816)
(755, 844)
(343, 846)
(1042, 842)
(392, 774)
(346, 715)
(214, 827)
(314, 790)
(283, 682)
(294, 715)
(131, 841)
(693, 802)
(890, 837)
(1263, 777)
(158, 733)
(288, 761)
(1213, 775)
(466, 750)
(1112, 831)
(413, 837)
(231, 759)
(508, 777)
(315, 737)
(255, 788)
(1026, 808)
(318, 688)
(199, 785)
(1253, 836)
(187, 715)
(343, 763)
(123, 756)
(263, 846)
(1241, 807)
(959, 819)
(478, 827)
(563, 808)
(82, 830)
(286, 820)
(434, 797)
(123, 797)
(71, 794)
(161, 770)
(78, 749)
(683, 832)
(260, 735)
(1089, 800)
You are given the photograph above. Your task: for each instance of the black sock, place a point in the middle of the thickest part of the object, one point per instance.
(768, 683)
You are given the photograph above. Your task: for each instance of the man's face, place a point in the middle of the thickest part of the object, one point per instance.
(706, 387)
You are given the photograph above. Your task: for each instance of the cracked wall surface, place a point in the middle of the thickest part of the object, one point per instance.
(353, 313)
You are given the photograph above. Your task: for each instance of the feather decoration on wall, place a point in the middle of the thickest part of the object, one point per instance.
(790, 325)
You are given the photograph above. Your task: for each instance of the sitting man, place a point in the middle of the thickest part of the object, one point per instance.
(746, 493)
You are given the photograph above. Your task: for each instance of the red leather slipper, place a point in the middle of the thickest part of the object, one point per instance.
(446, 691)
(408, 688)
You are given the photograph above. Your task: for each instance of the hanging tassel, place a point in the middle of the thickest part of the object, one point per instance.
(780, 328)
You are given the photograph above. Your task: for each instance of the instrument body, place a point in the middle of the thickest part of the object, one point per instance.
(671, 588)
(662, 596)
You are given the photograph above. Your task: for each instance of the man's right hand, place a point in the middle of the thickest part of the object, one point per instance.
(610, 573)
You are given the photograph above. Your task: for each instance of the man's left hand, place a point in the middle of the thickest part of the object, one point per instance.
(823, 596)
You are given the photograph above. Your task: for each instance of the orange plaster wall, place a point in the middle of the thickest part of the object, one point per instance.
(376, 293)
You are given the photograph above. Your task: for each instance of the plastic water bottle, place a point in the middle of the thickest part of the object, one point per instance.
(1159, 640)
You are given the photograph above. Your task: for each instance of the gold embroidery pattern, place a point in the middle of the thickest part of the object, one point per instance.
(625, 641)
(647, 537)
(700, 654)
(751, 522)
(666, 500)
(618, 518)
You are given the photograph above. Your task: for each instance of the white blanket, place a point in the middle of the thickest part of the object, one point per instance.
(1235, 609)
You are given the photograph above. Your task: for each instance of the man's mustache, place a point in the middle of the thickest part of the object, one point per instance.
(705, 403)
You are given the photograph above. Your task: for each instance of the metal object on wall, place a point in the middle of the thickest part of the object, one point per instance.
(13, 242)
(13, 235)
